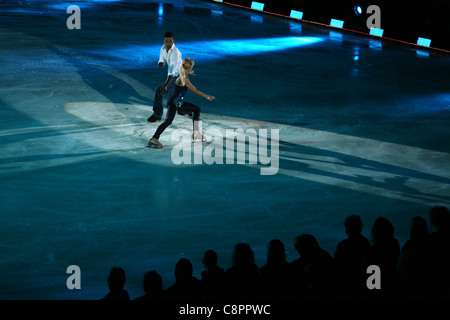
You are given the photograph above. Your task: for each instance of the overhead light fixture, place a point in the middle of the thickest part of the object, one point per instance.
(376, 32)
(336, 23)
(358, 10)
(423, 42)
(257, 6)
(296, 14)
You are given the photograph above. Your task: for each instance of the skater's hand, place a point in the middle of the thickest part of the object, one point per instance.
(210, 98)
(192, 72)
(163, 90)
(160, 64)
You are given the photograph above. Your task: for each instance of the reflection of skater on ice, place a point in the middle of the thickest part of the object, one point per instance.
(178, 87)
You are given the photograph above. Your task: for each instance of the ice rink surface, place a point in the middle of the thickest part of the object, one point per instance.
(363, 129)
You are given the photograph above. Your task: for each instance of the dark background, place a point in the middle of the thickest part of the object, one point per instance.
(400, 19)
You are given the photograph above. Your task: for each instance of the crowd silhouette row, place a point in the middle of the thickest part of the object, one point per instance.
(420, 269)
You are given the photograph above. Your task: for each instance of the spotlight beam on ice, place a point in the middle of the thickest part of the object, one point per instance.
(211, 49)
(243, 47)
(348, 162)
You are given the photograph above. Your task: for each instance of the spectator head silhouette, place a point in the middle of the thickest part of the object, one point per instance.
(275, 251)
(210, 259)
(116, 279)
(183, 269)
(382, 230)
(243, 255)
(306, 245)
(152, 283)
(353, 225)
(440, 217)
(419, 228)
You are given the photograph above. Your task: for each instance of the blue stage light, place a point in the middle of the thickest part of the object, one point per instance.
(257, 6)
(423, 42)
(296, 14)
(376, 32)
(358, 10)
(336, 23)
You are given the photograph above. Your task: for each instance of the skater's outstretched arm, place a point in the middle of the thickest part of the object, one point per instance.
(194, 90)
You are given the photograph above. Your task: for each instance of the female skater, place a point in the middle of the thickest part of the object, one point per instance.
(177, 91)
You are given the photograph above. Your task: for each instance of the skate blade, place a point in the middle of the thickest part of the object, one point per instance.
(154, 145)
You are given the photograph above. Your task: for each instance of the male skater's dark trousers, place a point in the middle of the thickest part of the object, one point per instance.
(159, 98)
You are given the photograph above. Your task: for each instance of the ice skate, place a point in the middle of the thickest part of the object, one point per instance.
(154, 143)
(198, 137)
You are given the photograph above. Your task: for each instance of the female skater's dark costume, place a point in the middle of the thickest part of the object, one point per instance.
(176, 103)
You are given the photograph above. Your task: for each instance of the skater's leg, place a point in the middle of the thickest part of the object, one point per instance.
(167, 122)
(188, 107)
(157, 105)
(195, 110)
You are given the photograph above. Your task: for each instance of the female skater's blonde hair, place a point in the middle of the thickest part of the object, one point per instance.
(187, 63)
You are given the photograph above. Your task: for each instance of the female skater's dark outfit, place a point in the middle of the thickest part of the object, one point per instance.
(175, 102)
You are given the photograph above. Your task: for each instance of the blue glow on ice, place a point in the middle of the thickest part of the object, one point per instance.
(63, 6)
(216, 13)
(377, 45)
(421, 53)
(335, 36)
(243, 47)
(211, 50)
(256, 19)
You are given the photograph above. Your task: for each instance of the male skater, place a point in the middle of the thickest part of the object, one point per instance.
(172, 56)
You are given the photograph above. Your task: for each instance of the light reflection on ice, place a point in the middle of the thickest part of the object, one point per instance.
(212, 50)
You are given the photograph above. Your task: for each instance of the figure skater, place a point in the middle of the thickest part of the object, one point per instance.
(169, 54)
(178, 88)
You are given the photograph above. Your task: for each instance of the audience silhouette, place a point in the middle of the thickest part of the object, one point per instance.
(186, 286)
(418, 269)
(152, 286)
(241, 278)
(116, 283)
(414, 263)
(310, 252)
(349, 257)
(440, 241)
(212, 277)
(274, 274)
(384, 253)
